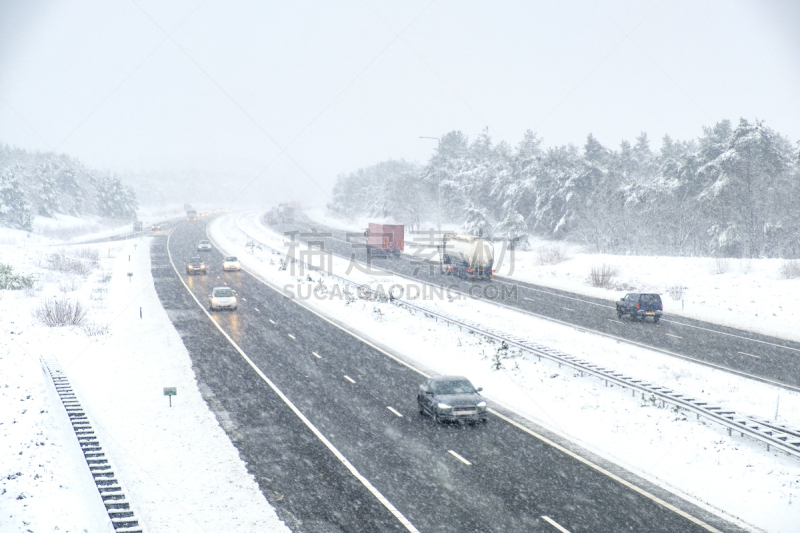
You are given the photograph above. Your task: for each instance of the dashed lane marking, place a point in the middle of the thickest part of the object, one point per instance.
(568, 309)
(348, 378)
(256, 308)
(291, 336)
(671, 335)
(555, 524)
(318, 356)
(394, 411)
(750, 355)
(364, 481)
(454, 454)
(271, 320)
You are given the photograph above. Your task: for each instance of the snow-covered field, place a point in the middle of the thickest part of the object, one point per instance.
(732, 475)
(179, 468)
(750, 294)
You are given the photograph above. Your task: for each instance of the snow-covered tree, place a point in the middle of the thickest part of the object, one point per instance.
(15, 210)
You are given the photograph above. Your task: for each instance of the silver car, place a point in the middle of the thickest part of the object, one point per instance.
(222, 298)
(203, 246)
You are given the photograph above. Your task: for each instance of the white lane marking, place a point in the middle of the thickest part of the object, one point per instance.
(529, 299)
(271, 320)
(671, 335)
(348, 378)
(328, 444)
(568, 309)
(617, 321)
(244, 299)
(394, 411)
(497, 414)
(256, 308)
(553, 523)
(454, 454)
(732, 335)
(291, 336)
(602, 470)
(318, 356)
(751, 355)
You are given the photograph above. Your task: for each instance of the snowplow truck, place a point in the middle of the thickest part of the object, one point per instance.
(385, 238)
(466, 256)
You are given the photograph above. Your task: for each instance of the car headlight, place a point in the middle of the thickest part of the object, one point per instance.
(443, 405)
(202, 265)
(481, 404)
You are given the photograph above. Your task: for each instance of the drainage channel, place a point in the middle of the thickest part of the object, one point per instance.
(117, 505)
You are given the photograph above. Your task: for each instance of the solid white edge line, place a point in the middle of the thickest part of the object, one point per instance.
(732, 335)
(454, 454)
(555, 524)
(502, 417)
(364, 481)
(602, 470)
(392, 409)
(348, 378)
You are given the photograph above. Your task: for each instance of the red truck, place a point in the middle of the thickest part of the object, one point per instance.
(385, 238)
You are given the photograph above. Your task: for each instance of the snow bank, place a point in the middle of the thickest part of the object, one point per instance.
(180, 470)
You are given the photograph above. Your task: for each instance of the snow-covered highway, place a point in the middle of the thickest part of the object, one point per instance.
(353, 392)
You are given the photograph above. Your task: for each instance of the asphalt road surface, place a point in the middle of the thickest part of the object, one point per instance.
(450, 478)
(763, 357)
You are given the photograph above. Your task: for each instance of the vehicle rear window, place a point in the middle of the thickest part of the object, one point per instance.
(453, 387)
(231, 258)
(223, 293)
(651, 299)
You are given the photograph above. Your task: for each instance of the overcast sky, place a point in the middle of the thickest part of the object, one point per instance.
(298, 92)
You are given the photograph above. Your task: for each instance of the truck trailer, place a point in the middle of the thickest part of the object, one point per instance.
(271, 216)
(466, 256)
(385, 238)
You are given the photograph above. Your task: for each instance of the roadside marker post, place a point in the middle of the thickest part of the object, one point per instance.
(130, 276)
(170, 391)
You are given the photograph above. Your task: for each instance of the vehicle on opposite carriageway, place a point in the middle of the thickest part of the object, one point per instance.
(640, 306)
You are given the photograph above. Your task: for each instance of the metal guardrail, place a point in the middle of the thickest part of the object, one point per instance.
(120, 514)
(782, 437)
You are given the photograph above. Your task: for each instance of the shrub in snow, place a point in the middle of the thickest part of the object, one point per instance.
(551, 255)
(721, 265)
(55, 313)
(61, 263)
(603, 275)
(14, 282)
(95, 330)
(790, 269)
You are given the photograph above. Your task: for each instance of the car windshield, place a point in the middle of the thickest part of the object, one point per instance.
(453, 387)
(195, 261)
(204, 242)
(231, 258)
(223, 293)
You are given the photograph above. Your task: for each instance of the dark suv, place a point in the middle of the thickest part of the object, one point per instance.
(640, 306)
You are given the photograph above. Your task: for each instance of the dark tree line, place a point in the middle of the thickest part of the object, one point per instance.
(732, 192)
(32, 183)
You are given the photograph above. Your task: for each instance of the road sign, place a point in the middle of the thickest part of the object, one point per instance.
(170, 391)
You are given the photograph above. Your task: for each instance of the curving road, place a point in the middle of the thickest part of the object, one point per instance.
(315, 390)
(753, 355)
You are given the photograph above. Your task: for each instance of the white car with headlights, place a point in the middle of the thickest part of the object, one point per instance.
(231, 263)
(222, 298)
